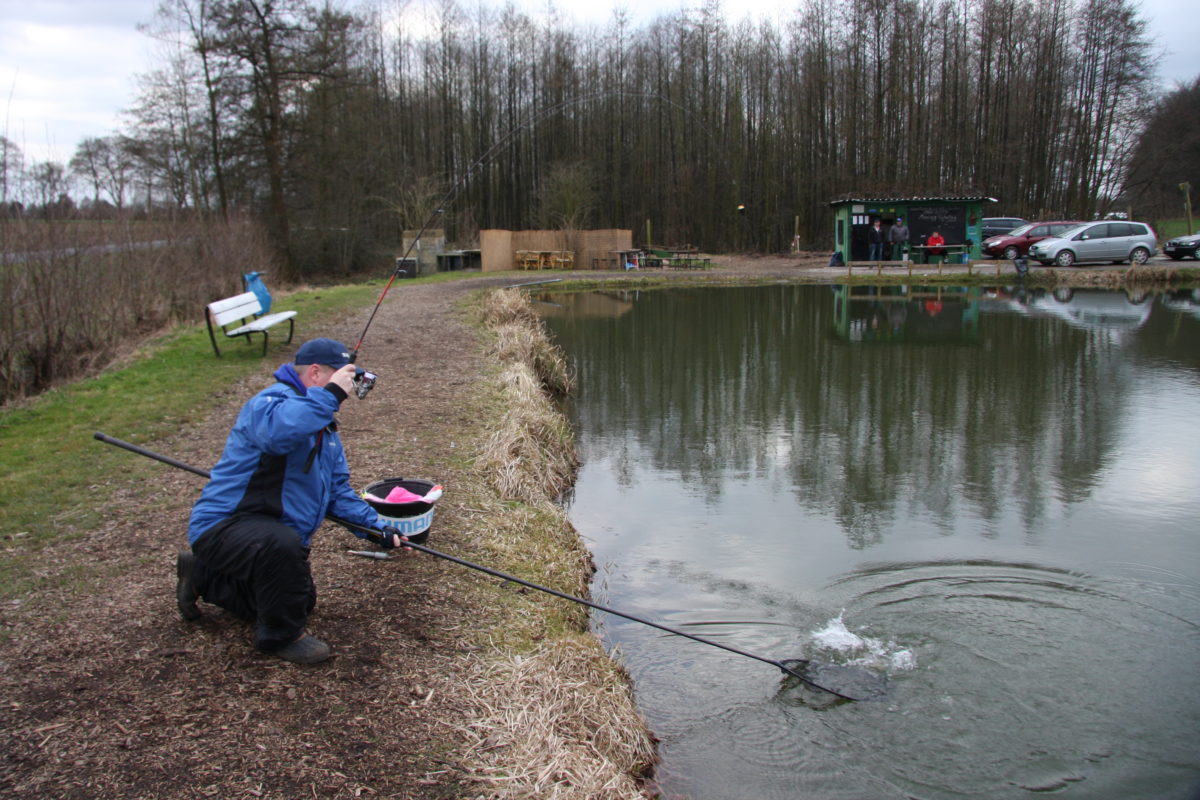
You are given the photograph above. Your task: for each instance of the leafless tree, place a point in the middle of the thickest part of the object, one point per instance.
(1167, 155)
(324, 121)
(12, 163)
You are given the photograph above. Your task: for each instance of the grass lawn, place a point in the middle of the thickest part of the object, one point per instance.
(1170, 228)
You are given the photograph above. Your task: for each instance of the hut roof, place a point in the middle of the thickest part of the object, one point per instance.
(910, 199)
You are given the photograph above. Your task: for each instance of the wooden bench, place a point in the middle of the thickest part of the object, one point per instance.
(233, 310)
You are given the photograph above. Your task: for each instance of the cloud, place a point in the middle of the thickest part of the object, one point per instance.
(67, 67)
(67, 70)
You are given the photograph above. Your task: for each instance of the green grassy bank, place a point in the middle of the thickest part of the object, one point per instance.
(47, 451)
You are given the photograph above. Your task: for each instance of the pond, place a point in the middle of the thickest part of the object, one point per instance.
(985, 497)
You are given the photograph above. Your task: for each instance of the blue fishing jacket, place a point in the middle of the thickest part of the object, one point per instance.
(283, 459)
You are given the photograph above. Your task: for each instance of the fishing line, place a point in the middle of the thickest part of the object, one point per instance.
(505, 576)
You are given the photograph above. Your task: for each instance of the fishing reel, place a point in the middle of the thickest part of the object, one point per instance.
(364, 382)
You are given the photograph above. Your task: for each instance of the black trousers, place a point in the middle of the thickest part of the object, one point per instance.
(254, 566)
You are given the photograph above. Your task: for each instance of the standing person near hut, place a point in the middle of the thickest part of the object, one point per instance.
(876, 240)
(898, 237)
(283, 469)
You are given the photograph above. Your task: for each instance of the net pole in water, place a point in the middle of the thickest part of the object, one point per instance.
(354, 526)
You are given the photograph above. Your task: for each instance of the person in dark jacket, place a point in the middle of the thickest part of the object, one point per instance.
(898, 238)
(876, 240)
(282, 471)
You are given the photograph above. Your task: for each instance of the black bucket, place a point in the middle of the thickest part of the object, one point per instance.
(411, 519)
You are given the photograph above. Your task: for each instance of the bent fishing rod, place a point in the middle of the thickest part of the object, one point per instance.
(353, 526)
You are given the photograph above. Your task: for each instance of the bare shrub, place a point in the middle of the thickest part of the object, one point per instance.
(74, 292)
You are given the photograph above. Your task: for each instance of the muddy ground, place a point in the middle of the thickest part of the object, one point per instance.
(107, 693)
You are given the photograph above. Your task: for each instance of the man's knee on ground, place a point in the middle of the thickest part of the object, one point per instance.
(281, 545)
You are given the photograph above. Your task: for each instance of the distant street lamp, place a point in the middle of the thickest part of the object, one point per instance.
(1186, 188)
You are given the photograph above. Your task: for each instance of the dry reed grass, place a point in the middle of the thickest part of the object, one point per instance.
(505, 306)
(519, 343)
(540, 543)
(1153, 275)
(531, 457)
(521, 338)
(559, 723)
(566, 716)
(1144, 276)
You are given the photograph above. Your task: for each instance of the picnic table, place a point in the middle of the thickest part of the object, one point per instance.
(927, 251)
(679, 257)
(545, 259)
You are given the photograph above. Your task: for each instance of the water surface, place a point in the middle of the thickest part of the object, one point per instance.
(988, 496)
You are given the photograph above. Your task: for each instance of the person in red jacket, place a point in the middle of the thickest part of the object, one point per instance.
(933, 243)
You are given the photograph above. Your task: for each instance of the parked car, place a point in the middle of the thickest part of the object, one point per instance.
(1182, 246)
(1016, 243)
(1134, 242)
(994, 226)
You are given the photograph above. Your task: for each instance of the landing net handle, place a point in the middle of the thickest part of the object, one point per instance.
(503, 575)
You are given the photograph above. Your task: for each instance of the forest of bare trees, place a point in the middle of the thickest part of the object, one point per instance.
(340, 128)
(1165, 164)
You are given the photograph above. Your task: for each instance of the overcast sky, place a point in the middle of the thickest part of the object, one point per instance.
(67, 66)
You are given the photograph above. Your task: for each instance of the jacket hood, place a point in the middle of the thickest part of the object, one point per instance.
(286, 374)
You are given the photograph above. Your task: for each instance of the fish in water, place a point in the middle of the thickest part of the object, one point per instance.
(851, 680)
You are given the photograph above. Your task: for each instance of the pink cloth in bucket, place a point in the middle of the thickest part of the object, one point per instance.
(399, 494)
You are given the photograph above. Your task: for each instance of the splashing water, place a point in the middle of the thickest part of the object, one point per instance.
(862, 650)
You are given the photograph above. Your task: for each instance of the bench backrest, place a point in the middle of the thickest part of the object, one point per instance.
(233, 309)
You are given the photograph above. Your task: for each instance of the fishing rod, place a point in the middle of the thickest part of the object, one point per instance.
(133, 448)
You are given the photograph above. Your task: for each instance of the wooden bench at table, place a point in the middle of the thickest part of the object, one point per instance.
(689, 262)
(944, 251)
(544, 259)
(245, 309)
(527, 259)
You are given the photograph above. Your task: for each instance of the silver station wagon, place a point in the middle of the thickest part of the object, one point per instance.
(1134, 242)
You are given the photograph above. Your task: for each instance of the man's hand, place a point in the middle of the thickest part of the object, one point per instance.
(392, 538)
(344, 378)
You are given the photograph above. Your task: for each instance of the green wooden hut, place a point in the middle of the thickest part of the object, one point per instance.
(957, 219)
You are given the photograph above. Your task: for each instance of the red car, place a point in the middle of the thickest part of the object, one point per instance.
(1016, 243)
